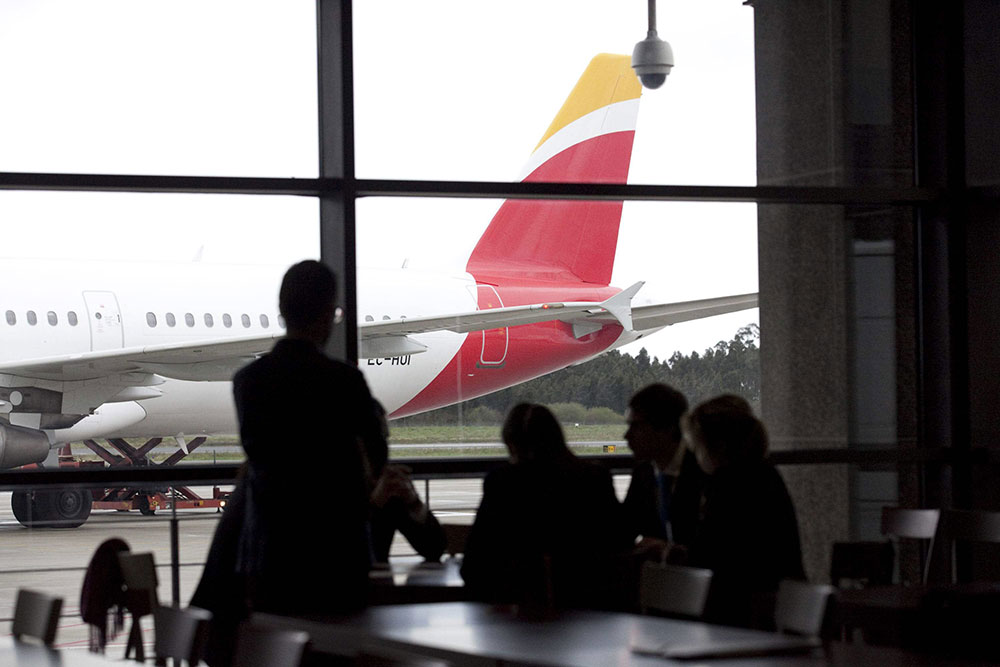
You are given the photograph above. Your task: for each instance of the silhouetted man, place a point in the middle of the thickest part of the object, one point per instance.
(664, 497)
(314, 444)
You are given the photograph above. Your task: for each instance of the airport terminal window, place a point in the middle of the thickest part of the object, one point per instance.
(71, 318)
(171, 320)
(32, 318)
(51, 316)
(836, 120)
(150, 320)
(11, 318)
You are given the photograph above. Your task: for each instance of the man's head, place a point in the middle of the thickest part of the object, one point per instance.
(307, 301)
(653, 416)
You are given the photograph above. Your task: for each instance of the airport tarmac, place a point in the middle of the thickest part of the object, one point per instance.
(54, 561)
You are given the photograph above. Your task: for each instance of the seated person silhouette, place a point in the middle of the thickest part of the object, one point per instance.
(664, 496)
(396, 506)
(748, 534)
(546, 534)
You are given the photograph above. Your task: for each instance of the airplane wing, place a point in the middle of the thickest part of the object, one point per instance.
(199, 360)
(661, 315)
(391, 337)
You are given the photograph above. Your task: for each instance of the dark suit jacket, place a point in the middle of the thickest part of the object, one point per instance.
(545, 534)
(641, 508)
(312, 438)
(749, 538)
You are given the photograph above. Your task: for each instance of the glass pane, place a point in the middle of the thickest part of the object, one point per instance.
(55, 561)
(460, 91)
(143, 272)
(112, 86)
(682, 252)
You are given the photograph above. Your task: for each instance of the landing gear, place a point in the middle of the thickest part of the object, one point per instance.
(64, 508)
(142, 504)
(69, 508)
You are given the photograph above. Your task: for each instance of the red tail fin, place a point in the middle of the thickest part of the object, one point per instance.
(590, 141)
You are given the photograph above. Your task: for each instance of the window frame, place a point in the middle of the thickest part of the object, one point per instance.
(337, 191)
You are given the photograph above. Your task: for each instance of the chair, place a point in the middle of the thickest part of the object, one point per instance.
(36, 615)
(180, 634)
(673, 589)
(909, 523)
(801, 608)
(258, 645)
(139, 578)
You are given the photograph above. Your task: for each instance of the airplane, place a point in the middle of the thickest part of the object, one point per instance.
(109, 349)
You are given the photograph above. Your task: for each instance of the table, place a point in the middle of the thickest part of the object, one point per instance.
(470, 633)
(407, 582)
(22, 654)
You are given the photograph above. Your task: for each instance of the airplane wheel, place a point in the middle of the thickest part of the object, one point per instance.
(20, 504)
(68, 508)
(142, 502)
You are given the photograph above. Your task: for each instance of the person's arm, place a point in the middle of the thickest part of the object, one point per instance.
(400, 508)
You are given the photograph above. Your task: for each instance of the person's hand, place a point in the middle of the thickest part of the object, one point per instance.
(652, 548)
(394, 482)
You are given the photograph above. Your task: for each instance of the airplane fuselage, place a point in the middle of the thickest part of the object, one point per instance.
(70, 307)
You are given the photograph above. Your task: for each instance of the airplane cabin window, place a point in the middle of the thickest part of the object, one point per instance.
(71, 318)
(369, 318)
(227, 321)
(11, 318)
(246, 321)
(32, 319)
(189, 319)
(52, 318)
(151, 319)
(171, 320)
(209, 320)
(264, 321)
(281, 321)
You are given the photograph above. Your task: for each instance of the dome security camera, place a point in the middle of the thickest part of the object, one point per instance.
(652, 60)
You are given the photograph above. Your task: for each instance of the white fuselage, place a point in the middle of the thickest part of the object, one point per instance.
(57, 308)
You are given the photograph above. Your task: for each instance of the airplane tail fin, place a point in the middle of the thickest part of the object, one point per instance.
(590, 141)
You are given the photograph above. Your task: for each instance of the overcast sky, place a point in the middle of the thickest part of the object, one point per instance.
(443, 90)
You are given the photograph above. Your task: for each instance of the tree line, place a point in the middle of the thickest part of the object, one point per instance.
(598, 391)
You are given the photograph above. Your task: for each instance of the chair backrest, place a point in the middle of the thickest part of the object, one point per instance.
(36, 615)
(970, 525)
(180, 634)
(911, 523)
(673, 589)
(139, 577)
(962, 526)
(908, 522)
(800, 607)
(260, 645)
